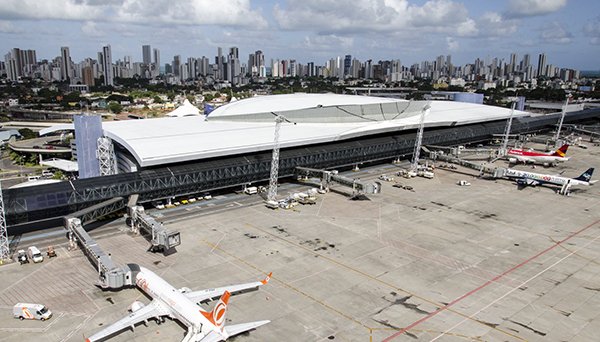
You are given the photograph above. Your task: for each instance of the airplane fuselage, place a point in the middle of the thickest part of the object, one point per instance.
(534, 157)
(543, 178)
(181, 307)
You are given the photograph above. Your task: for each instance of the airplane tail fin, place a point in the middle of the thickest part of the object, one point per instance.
(267, 278)
(562, 151)
(217, 315)
(587, 175)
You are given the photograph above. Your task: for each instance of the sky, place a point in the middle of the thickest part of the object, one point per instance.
(567, 31)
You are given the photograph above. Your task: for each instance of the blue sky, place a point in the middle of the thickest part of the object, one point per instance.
(568, 31)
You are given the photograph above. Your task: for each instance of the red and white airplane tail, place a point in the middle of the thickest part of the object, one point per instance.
(562, 151)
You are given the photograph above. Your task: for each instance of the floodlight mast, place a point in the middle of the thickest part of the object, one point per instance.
(504, 149)
(272, 192)
(562, 117)
(4, 245)
(417, 150)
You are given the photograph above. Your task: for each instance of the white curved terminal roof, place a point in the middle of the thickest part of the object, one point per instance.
(296, 101)
(170, 140)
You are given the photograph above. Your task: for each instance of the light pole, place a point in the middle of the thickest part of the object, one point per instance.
(560, 122)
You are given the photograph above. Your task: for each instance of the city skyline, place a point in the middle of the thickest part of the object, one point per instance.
(306, 31)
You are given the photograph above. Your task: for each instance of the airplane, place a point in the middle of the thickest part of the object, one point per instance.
(516, 155)
(524, 178)
(183, 305)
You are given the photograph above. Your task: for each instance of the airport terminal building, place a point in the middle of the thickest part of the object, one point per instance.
(167, 157)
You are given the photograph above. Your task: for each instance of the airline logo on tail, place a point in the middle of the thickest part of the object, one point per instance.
(587, 175)
(217, 315)
(562, 151)
(266, 280)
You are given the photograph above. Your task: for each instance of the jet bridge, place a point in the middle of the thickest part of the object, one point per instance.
(327, 177)
(162, 239)
(482, 168)
(110, 276)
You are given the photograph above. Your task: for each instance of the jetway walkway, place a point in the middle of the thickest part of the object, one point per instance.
(482, 168)
(110, 275)
(162, 239)
(328, 177)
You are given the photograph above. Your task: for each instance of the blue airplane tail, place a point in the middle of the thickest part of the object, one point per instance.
(587, 175)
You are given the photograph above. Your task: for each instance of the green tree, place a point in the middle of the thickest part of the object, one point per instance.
(157, 99)
(115, 107)
(26, 133)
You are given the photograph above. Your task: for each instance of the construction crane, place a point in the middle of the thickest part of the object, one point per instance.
(272, 191)
(415, 163)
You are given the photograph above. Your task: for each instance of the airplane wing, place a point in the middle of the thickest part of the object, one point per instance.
(232, 330)
(152, 310)
(210, 294)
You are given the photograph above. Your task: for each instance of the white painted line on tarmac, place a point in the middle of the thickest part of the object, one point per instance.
(516, 288)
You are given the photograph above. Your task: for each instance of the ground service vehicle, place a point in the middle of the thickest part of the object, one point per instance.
(31, 311)
(34, 254)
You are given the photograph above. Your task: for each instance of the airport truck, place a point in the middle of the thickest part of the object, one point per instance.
(31, 311)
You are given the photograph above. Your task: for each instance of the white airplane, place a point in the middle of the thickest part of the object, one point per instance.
(182, 304)
(525, 178)
(515, 155)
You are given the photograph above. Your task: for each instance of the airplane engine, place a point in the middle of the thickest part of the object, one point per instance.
(185, 290)
(135, 306)
(512, 160)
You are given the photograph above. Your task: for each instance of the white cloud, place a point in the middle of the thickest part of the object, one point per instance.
(492, 24)
(528, 8)
(467, 28)
(8, 27)
(452, 44)
(554, 33)
(180, 12)
(327, 43)
(344, 17)
(90, 29)
(592, 29)
(49, 9)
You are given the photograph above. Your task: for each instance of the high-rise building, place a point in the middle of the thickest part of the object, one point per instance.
(176, 64)
(541, 70)
(88, 76)
(234, 51)
(107, 66)
(203, 66)
(156, 65)
(347, 64)
(192, 69)
(65, 64)
(146, 54)
(14, 64)
(219, 61)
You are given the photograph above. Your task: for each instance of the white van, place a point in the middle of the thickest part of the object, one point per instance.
(34, 254)
(31, 311)
(251, 190)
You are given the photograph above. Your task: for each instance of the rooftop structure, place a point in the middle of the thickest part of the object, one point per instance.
(247, 126)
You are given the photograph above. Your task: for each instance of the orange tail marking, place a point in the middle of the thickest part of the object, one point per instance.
(562, 151)
(266, 280)
(217, 315)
